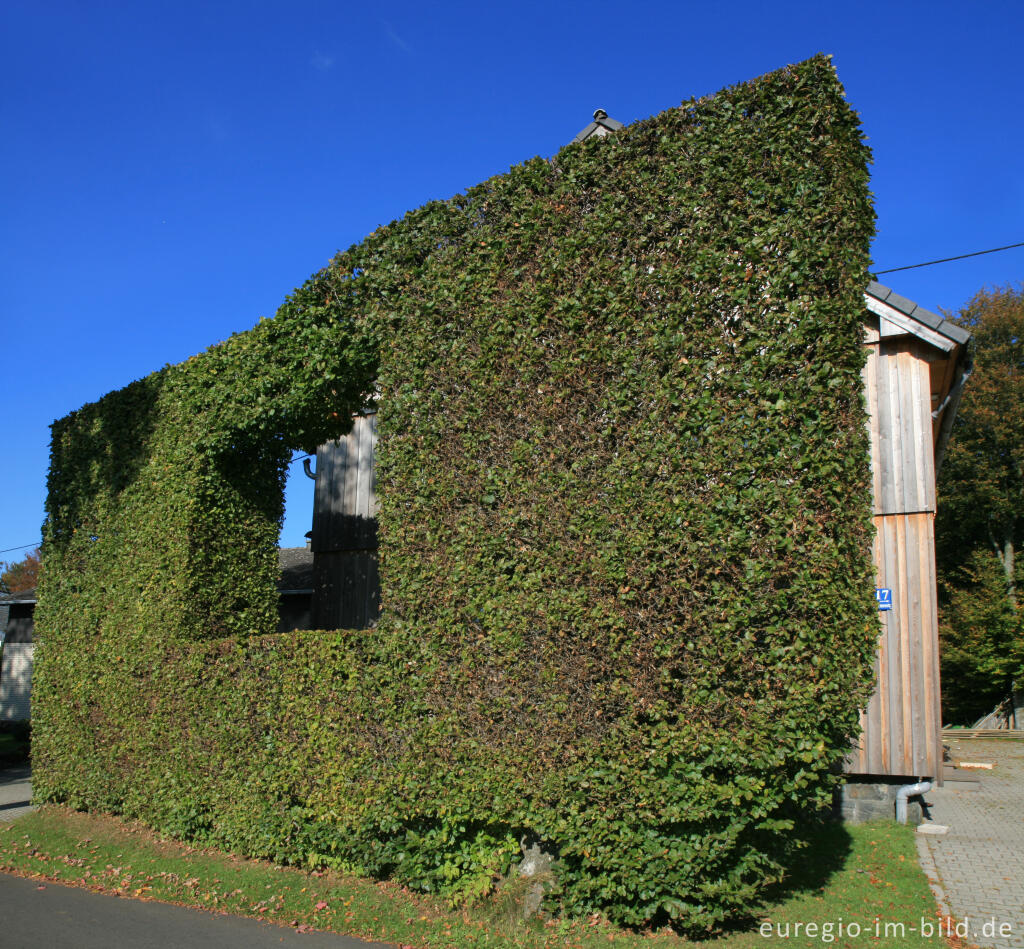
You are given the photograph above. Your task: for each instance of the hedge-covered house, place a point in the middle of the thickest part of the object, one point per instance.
(624, 534)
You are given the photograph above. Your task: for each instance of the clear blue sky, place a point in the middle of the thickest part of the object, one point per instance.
(171, 170)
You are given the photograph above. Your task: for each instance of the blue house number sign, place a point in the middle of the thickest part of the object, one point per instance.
(884, 597)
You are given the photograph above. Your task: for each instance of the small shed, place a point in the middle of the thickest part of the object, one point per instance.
(916, 366)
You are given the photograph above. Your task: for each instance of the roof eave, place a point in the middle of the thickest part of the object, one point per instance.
(918, 314)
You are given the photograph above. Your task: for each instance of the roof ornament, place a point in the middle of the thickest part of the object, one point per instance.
(601, 126)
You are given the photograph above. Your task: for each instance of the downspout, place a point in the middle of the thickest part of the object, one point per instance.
(949, 407)
(908, 791)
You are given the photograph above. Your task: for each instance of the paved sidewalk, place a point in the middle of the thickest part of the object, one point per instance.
(15, 792)
(977, 869)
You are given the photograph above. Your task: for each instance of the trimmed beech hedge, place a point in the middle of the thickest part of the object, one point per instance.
(624, 533)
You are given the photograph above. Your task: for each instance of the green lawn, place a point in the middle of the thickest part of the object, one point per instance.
(849, 877)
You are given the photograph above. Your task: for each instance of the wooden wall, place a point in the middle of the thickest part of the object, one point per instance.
(901, 726)
(346, 584)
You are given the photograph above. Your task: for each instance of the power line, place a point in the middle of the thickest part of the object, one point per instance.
(946, 260)
(22, 547)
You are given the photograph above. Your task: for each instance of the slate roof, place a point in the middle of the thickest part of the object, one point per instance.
(909, 308)
(296, 566)
(25, 596)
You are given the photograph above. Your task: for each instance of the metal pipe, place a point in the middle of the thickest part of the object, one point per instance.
(954, 391)
(908, 791)
(948, 412)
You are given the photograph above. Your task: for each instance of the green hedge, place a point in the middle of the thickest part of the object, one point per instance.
(624, 532)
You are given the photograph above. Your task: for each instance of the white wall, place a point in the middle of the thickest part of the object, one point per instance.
(16, 682)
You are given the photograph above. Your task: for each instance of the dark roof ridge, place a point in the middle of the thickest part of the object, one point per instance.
(909, 308)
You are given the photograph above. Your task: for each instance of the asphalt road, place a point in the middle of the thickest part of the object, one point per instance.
(37, 915)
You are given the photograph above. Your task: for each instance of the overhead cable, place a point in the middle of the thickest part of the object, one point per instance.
(946, 260)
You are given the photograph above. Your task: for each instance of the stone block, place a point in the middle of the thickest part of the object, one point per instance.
(863, 801)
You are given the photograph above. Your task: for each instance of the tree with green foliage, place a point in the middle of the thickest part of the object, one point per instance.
(22, 576)
(981, 515)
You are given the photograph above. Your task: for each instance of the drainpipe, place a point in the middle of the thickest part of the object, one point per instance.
(949, 407)
(908, 791)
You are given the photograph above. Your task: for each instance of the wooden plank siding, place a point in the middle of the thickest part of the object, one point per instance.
(898, 386)
(346, 586)
(346, 582)
(345, 509)
(901, 725)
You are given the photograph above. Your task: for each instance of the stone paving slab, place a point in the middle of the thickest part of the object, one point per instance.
(977, 870)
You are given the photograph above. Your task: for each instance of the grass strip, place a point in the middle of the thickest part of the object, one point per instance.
(856, 886)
